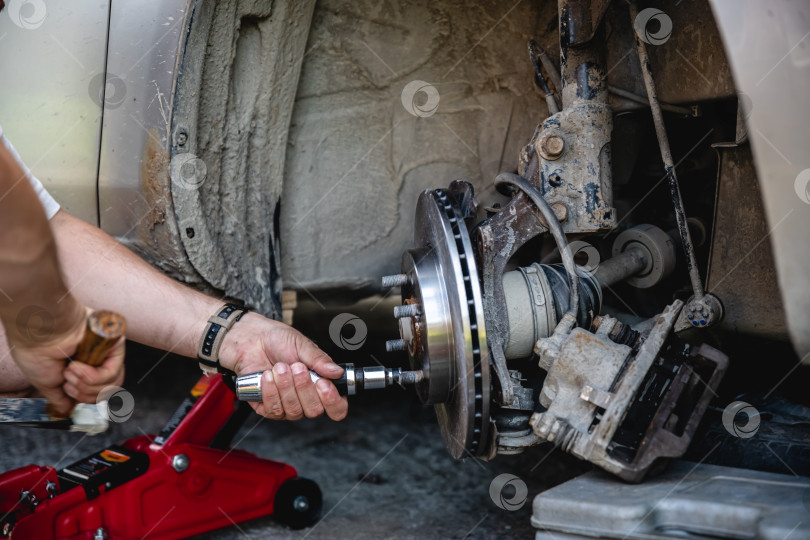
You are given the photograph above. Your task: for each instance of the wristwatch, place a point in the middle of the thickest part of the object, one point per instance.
(210, 341)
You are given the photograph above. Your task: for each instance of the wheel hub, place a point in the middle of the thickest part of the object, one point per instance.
(442, 324)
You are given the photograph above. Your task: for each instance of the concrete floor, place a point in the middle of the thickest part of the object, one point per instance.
(416, 489)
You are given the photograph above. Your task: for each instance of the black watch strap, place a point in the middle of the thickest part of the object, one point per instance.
(215, 330)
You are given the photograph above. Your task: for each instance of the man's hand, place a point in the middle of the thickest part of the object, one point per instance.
(256, 343)
(43, 321)
(43, 365)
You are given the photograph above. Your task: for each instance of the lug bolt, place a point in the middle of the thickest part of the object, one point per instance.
(408, 310)
(393, 345)
(396, 280)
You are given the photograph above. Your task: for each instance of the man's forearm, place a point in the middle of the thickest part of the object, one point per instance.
(104, 274)
(167, 315)
(30, 278)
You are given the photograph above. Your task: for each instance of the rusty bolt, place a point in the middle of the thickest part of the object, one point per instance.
(551, 146)
(182, 137)
(560, 210)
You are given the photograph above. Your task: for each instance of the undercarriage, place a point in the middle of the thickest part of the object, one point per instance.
(588, 217)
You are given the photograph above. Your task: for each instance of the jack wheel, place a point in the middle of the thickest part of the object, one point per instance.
(298, 503)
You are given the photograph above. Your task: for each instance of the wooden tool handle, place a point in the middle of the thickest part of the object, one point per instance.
(104, 329)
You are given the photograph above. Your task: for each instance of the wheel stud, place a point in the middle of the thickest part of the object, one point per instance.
(393, 345)
(396, 280)
(408, 310)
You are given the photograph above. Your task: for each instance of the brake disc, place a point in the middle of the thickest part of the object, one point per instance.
(444, 325)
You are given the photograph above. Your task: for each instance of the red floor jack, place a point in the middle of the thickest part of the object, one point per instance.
(185, 481)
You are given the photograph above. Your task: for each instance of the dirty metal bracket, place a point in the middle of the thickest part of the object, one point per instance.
(496, 241)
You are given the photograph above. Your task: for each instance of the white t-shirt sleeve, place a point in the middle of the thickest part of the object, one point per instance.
(48, 202)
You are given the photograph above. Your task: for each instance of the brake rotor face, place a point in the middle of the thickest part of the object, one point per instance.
(447, 338)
